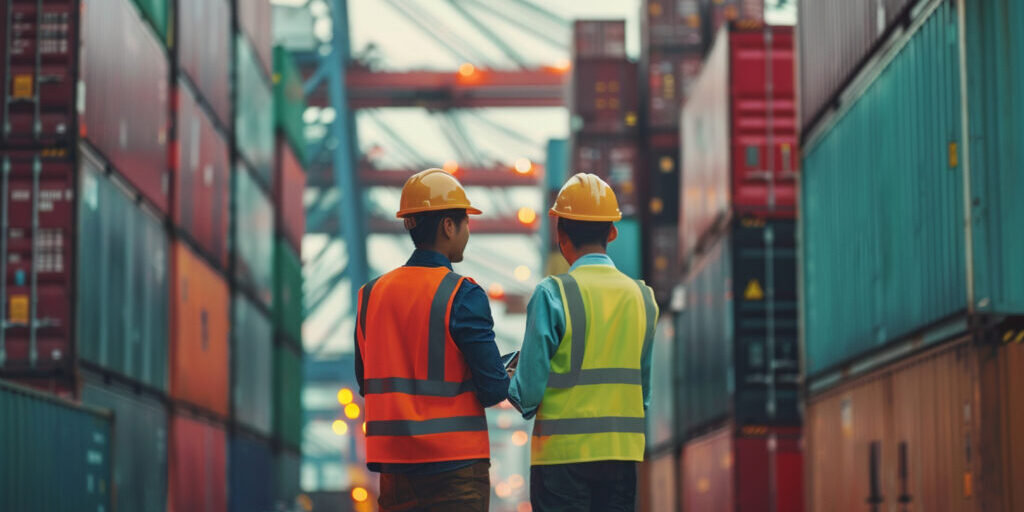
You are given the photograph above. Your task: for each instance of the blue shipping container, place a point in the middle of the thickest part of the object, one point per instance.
(251, 468)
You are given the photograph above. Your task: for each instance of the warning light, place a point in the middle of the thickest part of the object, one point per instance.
(657, 205)
(562, 65)
(339, 427)
(496, 291)
(519, 437)
(467, 70)
(352, 411)
(345, 396)
(527, 215)
(451, 166)
(521, 273)
(360, 495)
(666, 163)
(523, 166)
(753, 291)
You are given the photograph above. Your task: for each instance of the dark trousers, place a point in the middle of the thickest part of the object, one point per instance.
(585, 487)
(463, 490)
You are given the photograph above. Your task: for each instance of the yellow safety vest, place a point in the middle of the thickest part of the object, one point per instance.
(593, 407)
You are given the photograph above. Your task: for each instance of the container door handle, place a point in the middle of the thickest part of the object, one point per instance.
(905, 499)
(875, 500)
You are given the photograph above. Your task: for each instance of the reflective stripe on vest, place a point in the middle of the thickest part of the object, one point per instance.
(596, 413)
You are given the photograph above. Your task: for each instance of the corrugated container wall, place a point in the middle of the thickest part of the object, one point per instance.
(253, 237)
(56, 457)
(661, 273)
(729, 125)
(255, 21)
(658, 486)
(122, 281)
(599, 39)
(721, 12)
(287, 465)
(203, 178)
(288, 306)
(252, 475)
(50, 247)
(836, 37)
(198, 467)
(290, 102)
(625, 250)
(287, 395)
(140, 444)
(252, 356)
(661, 415)
(674, 24)
(204, 51)
(254, 111)
(288, 195)
(160, 15)
(200, 322)
(738, 351)
(603, 97)
(670, 77)
(614, 159)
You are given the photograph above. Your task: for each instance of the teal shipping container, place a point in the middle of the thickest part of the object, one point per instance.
(159, 13)
(288, 313)
(253, 240)
(123, 286)
(289, 101)
(886, 252)
(287, 465)
(661, 415)
(288, 396)
(625, 250)
(254, 112)
(252, 354)
(54, 456)
(140, 443)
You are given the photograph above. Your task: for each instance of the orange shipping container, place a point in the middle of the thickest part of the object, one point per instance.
(199, 332)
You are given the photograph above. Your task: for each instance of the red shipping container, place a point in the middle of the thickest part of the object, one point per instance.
(50, 245)
(658, 485)
(121, 94)
(599, 39)
(604, 99)
(202, 180)
(721, 12)
(289, 191)
(200, 322)
(756, 470)
(255, 20)
(673, 24)
(615, 161)
(729, 123)
(670, 78)
(197, 467)
(204, 51)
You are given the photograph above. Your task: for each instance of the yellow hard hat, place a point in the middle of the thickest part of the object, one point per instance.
(588, 198)
(432, 190)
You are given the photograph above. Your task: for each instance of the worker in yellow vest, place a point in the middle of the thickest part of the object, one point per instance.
(585, 367)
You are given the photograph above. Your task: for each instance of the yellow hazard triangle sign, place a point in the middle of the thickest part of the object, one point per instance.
(754, 291)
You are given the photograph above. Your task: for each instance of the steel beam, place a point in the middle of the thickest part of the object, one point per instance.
(471, 177)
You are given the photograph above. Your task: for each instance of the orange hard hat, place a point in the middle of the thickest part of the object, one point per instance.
(588, 198)
(432, 190)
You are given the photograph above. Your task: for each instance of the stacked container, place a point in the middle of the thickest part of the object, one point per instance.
(913, 291)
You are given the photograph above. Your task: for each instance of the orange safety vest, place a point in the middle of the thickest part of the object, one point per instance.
(420, 400)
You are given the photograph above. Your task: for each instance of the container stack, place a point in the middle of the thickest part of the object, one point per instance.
(603, 106)
(911, 251)
(138, 256)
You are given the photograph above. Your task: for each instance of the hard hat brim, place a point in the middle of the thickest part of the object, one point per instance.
(423, 209)
(585, 218)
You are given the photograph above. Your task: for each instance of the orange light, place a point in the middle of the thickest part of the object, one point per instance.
(516, 481)
(364, 428)
(451, 167)
(345, 396)
(519, 437)
(360, 495)
(521, 273)
(339, 427)
(524, 506)
(527, 215)
(467, 70)
(496, 291)
(562, 65)
(352, 411)
(523, 165)
(503, 490)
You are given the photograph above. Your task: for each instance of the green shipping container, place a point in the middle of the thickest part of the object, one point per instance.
(287, 465)
(54, 456)
(253, 240)
(160, 15)
(288, 312)
(625, 250)
(140, 444)
(661, 415)
(252, 356)
(289, 101)
(288, 396)
(884, 251)
(254, 112)
(122, 287)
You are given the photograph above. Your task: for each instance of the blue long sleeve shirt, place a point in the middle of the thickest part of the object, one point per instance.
(545, 327)
(472, 328)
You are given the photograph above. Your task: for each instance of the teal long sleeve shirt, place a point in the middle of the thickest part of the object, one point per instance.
(545, 326)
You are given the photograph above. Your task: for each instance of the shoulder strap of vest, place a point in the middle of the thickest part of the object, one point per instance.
(438, 328)
(364, 301)
(576, 320)
(651, 309)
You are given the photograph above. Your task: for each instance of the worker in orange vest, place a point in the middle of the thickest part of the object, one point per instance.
(427, 363)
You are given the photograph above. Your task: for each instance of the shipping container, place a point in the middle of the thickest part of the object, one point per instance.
(253, 239)
(288, 304)
(728, 125)
(753, 469)
(198, 466)
(737, 337)
(289, 192)
(51, 445)
(603, 97)
(200, 322)
(596, 39)
(251, 483)
(252, 360)
(884, 254)
(140, 443)
(836, 39)
(288, 420)
(255, 21)
(661, 271)
(202, 178)
(290, 102)
(723, 12)
(287, 464)
(204, 52)
(658, 486)
(933, 432)
(122, 283)
(625, 250)
(670, 77)
(160, 14)
(615, 160)
(661, 171)
(673, 24)
(661, 414)
(254, 110)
